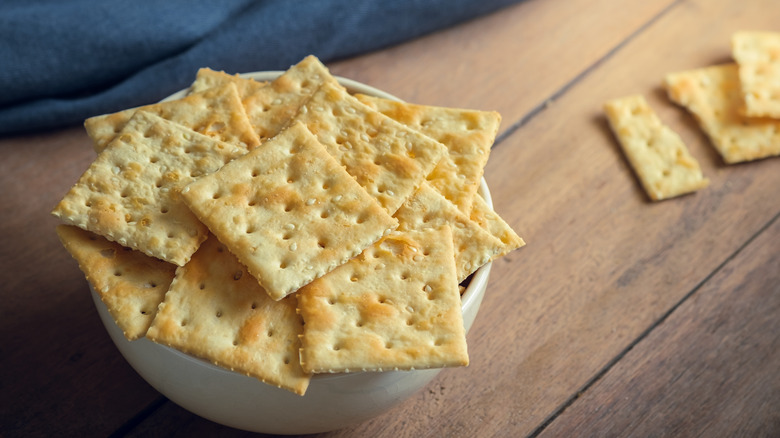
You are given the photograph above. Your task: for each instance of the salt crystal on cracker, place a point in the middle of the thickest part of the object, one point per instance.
(396, 306)
(216, 311)
(288, 211)
(130, 283)
(130, 193)
(713, 95)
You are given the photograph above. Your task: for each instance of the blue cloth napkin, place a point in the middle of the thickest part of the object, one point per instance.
(62, 61)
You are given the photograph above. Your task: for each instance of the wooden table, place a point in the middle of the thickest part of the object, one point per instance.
(620, 317)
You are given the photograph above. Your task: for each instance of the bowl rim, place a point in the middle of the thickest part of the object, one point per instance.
(478, 280)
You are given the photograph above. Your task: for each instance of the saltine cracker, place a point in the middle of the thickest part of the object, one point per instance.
(395, 306)
(657, 154)
(713, 95)
(130, 283)
(288, 211)
(130, 192)
(216, 112)
(467, 134)
(216, 311)
(388, 159)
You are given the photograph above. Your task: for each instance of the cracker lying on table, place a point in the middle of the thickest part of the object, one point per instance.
(130, 283)
(758, 56)
(388, 159)
(490, 221)
(713, 95)
(216, 112)
(474, 246)
(270, 108)
(217, 311)
(130, 193)
(657, 154)
(468, 135)
(395, 306)
(207, 78)
(288, 211)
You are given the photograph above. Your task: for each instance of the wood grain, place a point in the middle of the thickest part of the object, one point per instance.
(512, 61)
(706, 356)
(602, 267)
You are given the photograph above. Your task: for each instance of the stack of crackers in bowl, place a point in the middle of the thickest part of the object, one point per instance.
(737, 105)
(287, 228)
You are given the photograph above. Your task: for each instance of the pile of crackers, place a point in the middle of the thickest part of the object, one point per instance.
(288, 228)
(737, 105)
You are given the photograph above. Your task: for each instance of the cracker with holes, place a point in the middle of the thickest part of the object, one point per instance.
(216, 112)
(207, 78)
(218, 312)
(713, 95)
(657, 154)
(388, 159)
(474, 246)
(467, 134)
(288, 211)
(490, 221)
(758, 56)
(395, 307)
(270, 108)
(130, 283)
(130, 193)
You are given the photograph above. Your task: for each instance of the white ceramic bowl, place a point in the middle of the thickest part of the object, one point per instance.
(331, 402)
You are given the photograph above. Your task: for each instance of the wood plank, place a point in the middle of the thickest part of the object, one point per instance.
(511, 61)
(602, 262)
(710, 369)
(61, 373)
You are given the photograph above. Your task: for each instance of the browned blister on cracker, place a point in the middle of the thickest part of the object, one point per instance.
(713, 95)
(216, 311)
(288, 211)
(216, 112)
(467, 134)
(395, 306)
(130, 193)
(388, 159)
(130, 283)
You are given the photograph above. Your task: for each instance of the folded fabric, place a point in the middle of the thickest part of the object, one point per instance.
(64, 61)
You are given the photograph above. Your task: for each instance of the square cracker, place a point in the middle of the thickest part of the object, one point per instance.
(758, 56)
(130, 283)
(288, 211)
(396, 306)
(218, 312)
(713, 95)
(657, 154)
(474, 246)
(130, 193)
(270, 108)
(390, 160)
(207, 78)
(216, 112)
(468, 135)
